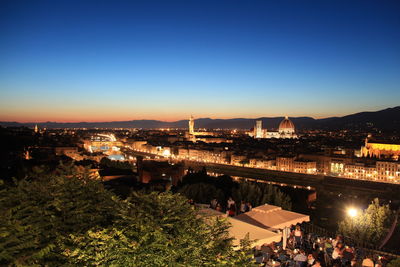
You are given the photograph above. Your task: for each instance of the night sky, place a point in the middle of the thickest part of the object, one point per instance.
(123, 60)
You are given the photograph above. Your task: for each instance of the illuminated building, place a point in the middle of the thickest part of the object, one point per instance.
(382, 171)
(258, 132)
(286, 130)
(360, 171)
(285, 164)
(388, 171)
(137, 145)
(263, 163)
(305, 166)
(203, 155)
(206, 137)
(238, 159)
(290, 164)
(191, 125)
(36, 129)
(380, 150)
(337, 167)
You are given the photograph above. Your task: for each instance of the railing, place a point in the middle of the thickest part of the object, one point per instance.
(367, 247)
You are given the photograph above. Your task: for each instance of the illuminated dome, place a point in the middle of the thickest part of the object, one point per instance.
(286, 126)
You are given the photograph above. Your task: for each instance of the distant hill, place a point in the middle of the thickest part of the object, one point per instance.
(387, 119)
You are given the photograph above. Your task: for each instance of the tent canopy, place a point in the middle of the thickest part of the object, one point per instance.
(270, 216)
(239, 229)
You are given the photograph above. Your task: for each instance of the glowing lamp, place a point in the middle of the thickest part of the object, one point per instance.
(352, 212)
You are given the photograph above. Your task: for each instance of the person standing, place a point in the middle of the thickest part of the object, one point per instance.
(230, 203)
(242, 207)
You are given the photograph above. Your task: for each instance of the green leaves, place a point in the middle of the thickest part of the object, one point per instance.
(259, 194)
(368, 226)
(40, 210)
(201, 192)
(66, 219)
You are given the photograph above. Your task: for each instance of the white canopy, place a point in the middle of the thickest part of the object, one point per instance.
(239, 229)
(270, 216)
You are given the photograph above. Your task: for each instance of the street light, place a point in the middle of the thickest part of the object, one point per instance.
(352, 212)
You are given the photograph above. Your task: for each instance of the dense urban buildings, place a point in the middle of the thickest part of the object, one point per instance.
(290, 159)
(372, 161)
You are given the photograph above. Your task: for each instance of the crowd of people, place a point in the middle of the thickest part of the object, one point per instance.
(306, 249)
(309, 250)
(231, 207)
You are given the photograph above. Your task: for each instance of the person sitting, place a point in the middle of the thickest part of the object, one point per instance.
(230, 203)
(310, 259)
(242, 207)
(249, 207)
(348, 255)
(282, 256)
(337, 253)
(213, 203)
(301, 259)
(219, 207)
(337, 240)
(232, 211)
(298, 237)
(368, 262)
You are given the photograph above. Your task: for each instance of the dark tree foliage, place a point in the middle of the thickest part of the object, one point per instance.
(261, 193)
(115, 164)
(68, 219)
(202, 187)
(201, 192)
(38, 212)
(370, 225)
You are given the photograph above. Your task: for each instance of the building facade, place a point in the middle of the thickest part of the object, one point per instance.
(286, 130)
(380, 149)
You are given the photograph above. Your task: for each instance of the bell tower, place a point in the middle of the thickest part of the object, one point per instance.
(191, 125)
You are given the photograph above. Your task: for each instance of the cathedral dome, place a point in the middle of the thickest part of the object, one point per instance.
(286, 126)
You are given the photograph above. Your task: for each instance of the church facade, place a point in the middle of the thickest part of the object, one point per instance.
(286, 130)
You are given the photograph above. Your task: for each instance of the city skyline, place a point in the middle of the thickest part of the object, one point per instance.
(112, 61)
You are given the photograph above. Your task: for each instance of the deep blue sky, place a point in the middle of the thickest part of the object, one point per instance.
(117, 60)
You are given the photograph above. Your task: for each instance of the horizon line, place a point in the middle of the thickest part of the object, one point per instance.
(232, 118)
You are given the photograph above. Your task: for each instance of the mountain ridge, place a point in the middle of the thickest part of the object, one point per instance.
(386, 119)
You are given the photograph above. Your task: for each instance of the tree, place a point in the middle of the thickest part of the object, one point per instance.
(261, 193)
(115, 164)
(369, 225)
(158, 229)
(37, 212)
(67, 218)
(394, 263)
(201, 192)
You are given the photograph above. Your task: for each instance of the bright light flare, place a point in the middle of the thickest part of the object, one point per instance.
(352, 212)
